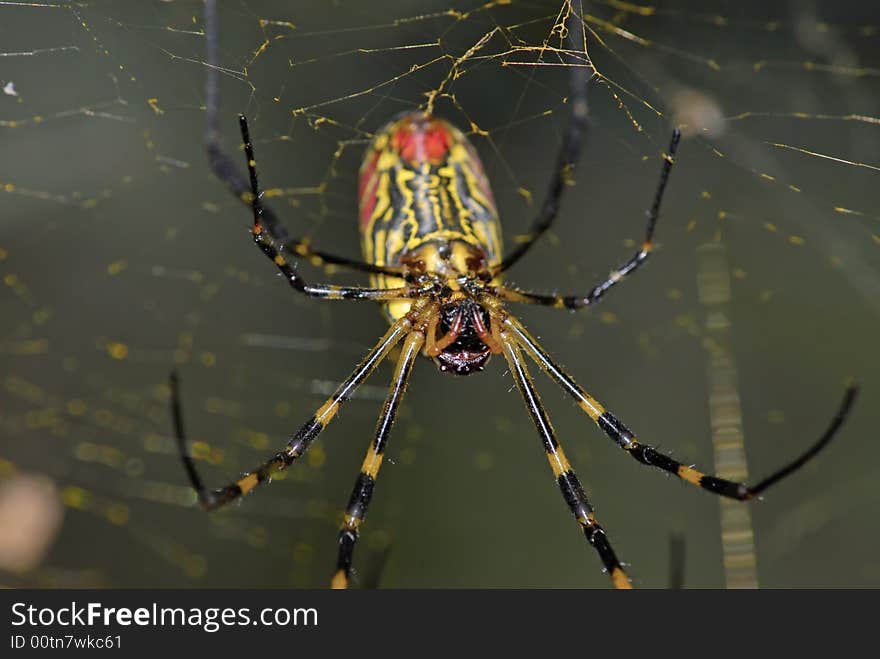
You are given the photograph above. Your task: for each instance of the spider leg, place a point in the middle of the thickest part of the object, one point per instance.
(300, 442)
(648, 455)
(575, 302)
(567, 480)
(267, 245)
(359, 501)
(226, 171)
(569, 151)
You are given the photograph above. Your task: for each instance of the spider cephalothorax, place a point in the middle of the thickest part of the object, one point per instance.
(459, 334)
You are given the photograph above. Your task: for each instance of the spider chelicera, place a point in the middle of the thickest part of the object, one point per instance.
(431, 243)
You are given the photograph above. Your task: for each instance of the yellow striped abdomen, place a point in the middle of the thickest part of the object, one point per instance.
(423, 188)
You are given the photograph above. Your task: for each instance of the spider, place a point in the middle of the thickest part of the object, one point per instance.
(431, 243)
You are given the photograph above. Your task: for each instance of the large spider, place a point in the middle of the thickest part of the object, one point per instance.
(431, 243)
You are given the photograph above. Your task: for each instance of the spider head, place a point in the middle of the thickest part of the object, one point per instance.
(462, 341)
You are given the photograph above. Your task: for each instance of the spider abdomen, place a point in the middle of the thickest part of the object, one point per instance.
(422, 183)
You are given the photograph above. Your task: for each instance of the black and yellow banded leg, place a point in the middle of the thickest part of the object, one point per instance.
(226, 171)
(648, 455)
(329, 291)
(580, 71)
(359, 501)
(268, 246)
(567, 480)
(299, 443)
(575, 302)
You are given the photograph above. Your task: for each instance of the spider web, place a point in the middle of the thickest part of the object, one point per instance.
(122, 257)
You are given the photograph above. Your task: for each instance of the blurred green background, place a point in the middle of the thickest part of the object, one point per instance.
(122, 257)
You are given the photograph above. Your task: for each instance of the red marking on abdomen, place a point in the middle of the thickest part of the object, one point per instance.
(367, 184)
(421, 139)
